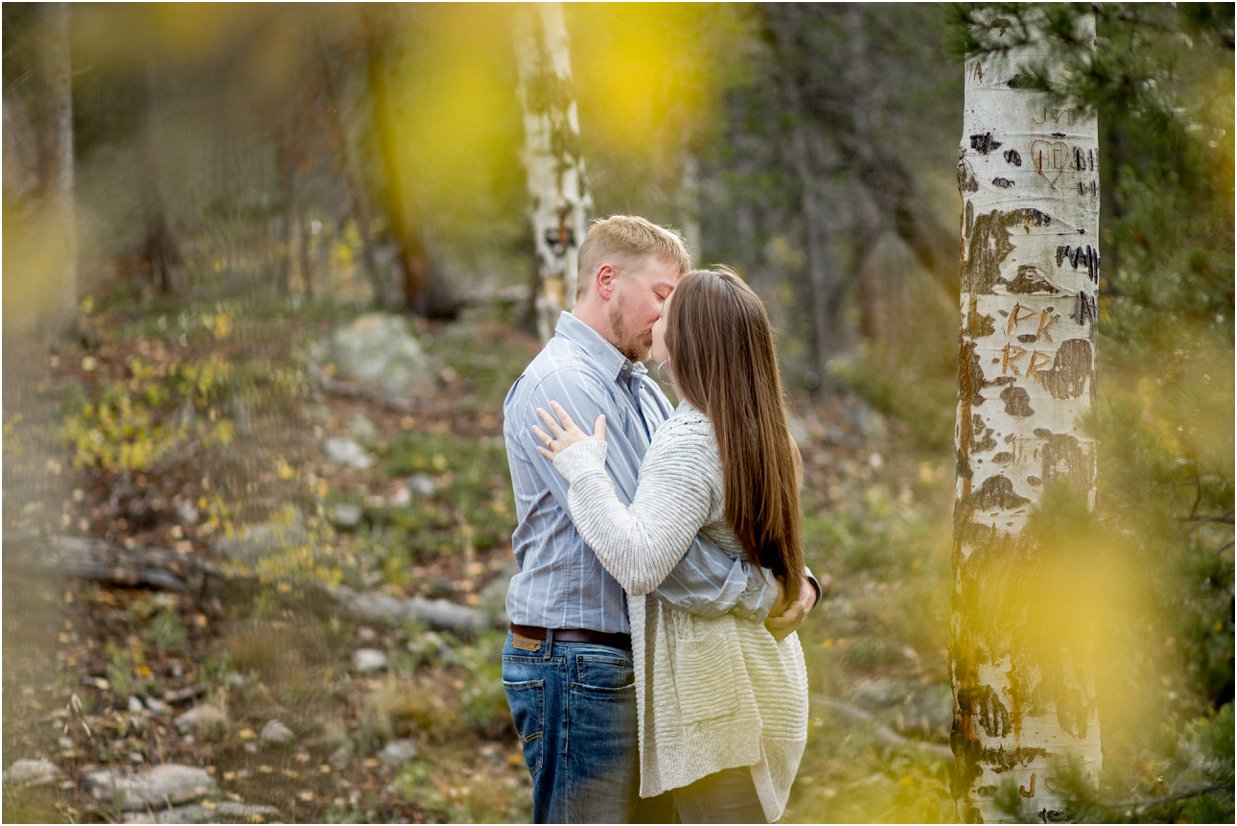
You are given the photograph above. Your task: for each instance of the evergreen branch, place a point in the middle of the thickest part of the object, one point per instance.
(1137, 807)
(1224, 518)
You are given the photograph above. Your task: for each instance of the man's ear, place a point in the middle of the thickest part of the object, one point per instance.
(604, 281)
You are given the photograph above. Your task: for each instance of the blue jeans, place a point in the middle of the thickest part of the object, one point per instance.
(574, 708)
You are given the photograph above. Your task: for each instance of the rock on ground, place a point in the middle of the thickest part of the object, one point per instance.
(277, 733)
(369, 660)
(398, 752)
(203, 720)
(346, 452)
(255, 542)
(225, 812)
(381, 349)
(164, 785)
(32, 773)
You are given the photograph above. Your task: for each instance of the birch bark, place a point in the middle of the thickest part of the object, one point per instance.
(1028, 175)
(559, 201)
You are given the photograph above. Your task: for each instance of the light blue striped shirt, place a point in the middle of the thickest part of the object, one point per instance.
(561, 583)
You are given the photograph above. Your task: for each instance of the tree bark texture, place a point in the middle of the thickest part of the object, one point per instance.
(559, 201)
(829, 334)
(1029, 179)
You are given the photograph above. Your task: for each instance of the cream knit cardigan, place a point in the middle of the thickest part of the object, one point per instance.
(711, 693)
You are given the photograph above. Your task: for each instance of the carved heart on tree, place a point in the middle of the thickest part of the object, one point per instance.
(1050, 158)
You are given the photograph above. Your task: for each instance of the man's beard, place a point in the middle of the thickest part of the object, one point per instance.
(630, 344)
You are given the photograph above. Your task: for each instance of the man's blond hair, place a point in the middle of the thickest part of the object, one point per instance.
(623, 239)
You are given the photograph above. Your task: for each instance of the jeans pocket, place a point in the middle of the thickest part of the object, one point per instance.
(604, 674)
(527, 702)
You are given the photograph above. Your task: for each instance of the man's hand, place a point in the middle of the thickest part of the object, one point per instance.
(785, 617)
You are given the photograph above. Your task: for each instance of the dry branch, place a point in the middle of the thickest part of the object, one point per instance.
(883, 733)
(149, 566)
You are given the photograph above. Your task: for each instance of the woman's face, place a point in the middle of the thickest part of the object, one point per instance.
(659, 351)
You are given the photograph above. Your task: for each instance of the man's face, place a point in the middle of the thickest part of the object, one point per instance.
(639, 292)
(660, 352)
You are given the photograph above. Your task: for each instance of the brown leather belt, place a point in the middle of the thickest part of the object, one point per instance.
(613, 640)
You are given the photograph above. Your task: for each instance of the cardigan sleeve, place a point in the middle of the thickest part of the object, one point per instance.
(640, 544)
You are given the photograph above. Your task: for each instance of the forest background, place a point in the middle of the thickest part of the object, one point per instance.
(256, 508)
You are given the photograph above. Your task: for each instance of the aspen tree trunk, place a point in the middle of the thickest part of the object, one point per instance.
(559, 201)
(1028, 175)
(689, 200)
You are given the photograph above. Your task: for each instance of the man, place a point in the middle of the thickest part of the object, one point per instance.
(567, 665)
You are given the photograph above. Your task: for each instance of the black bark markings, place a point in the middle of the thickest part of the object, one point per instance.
(988, 245)
(1003, 183)
(985, 143)
(1065, 458)
(981, 443)
(1030, 280)
(1086, 256)
(1071, 368)
(978, 325)
(970, 375)
(1085, 308)
(983, 703)
(967, 182)
(1003, 760)
(996, 493)
(1017, 402)
(1012, 157)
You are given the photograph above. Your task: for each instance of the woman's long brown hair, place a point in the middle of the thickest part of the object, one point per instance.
(721, 351)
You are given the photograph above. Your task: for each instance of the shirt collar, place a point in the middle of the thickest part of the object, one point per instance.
(601, 352)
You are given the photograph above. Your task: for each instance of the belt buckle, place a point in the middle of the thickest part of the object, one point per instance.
(525, 643)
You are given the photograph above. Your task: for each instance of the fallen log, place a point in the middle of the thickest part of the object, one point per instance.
(164, 569)
(97, 560)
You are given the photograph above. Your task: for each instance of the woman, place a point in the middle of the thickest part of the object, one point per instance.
(722, 705)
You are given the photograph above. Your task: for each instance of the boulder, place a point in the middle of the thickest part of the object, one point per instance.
(379, 349)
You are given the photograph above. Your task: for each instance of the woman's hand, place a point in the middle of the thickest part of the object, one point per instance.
(562, 437)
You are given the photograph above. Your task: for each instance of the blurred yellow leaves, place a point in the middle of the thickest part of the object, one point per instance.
(454, 97)
(648, 75)
(219, 324)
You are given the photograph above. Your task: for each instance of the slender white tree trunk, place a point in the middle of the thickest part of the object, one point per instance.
(689, 200)
(559, 201)
(1024, 697)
